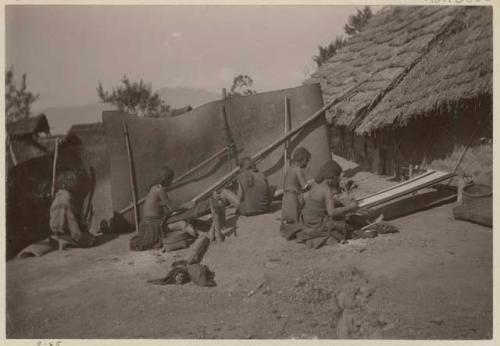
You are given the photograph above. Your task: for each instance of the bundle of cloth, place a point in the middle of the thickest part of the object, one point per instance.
(182, 273)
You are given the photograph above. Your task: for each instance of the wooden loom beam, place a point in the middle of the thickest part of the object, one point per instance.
(11, 151)
(404, 192)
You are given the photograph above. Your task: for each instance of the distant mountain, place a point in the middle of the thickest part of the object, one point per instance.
(61, 118)
(180, 97)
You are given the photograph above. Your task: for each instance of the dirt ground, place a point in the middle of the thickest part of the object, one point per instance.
(433, 280)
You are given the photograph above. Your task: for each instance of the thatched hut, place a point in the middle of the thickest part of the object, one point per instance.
(426, 88)
(29, 180)
(22, 139)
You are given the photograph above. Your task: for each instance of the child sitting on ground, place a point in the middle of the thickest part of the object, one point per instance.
(295, 184)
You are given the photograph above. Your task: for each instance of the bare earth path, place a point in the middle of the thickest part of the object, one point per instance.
(433, 280)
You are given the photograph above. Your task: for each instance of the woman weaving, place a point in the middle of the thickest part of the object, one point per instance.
(323, 219)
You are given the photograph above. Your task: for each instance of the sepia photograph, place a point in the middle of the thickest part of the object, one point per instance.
(268, 172)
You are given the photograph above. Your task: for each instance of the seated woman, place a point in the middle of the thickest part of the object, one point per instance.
(254, 195)
(322, 219)
(157, 209)
(66, 221)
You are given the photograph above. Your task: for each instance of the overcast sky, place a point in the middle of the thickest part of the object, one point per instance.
(66, 50)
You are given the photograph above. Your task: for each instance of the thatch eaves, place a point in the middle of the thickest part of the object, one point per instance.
(28, 126)
(459, 68)
(390, 42)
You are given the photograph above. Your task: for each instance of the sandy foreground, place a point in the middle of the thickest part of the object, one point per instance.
(433, 280)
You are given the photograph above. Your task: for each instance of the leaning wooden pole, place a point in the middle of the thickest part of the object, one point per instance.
(231, 153)
(262, 153)
(179, 178)
(286, 153)
(11, 151)
(469, 143)
(231, 148)
(132, 180)
(462, 155)
(54, 169)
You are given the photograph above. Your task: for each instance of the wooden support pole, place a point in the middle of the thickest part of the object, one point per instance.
(54, 169)
(231, 152)
(471, 139)
(91, 194)
(261, 154)
(11, 151)
(462, 155)
(179, 178)
(286, 155)
(132, 177)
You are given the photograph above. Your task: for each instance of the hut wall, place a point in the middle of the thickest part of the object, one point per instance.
(359, 149)
(436, 141)
(337, 140)
(345, 143)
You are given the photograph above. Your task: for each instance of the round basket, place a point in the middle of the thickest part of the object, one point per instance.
(476, 191)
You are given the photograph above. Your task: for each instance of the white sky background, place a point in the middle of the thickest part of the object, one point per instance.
(66, 50)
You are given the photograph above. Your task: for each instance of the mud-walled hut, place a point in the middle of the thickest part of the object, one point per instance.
(424, 91)
(30, 159)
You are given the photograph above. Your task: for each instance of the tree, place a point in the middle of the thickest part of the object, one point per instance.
(134, 97)
(327, 52)
(354, 25)
(358, 21)
(242, 86)
(18, 100)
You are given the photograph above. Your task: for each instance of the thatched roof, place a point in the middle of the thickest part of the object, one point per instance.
(28, 126)
(413, 59)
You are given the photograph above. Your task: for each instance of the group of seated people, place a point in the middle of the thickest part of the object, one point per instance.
(310, 211)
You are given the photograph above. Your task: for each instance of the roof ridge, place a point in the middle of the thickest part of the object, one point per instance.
(395, 82)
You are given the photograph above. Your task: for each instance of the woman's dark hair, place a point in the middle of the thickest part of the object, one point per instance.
(301, 154)
(245, 177)
(330, 169)
(247, 163)
(164, 176)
